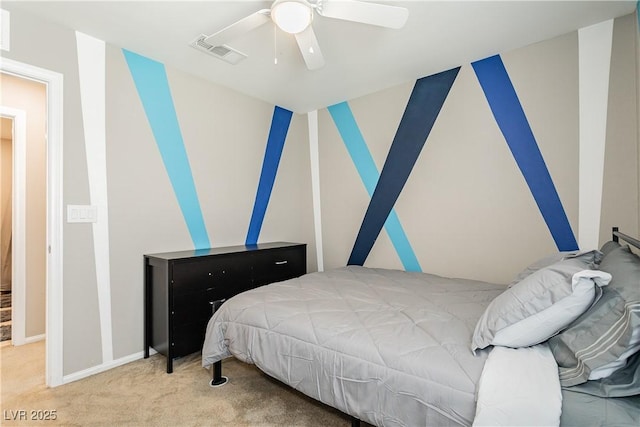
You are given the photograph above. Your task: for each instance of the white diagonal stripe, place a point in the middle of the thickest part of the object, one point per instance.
(92, 75)
(312, 118)
(594, 63)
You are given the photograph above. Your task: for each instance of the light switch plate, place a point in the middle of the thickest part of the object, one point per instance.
(5, 29)
(82, 213)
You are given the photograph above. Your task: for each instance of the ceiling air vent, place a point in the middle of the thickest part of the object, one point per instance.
(224, 52)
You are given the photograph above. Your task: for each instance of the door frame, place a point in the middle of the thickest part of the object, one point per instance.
(55, 215)
(18, 229)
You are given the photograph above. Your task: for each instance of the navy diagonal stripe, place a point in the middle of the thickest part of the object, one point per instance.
(424, 105)
(275, 143)
(511, 119)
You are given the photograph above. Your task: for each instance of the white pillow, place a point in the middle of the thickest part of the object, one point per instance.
(539, 306)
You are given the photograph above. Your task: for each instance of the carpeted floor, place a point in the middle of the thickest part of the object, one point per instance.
(142, 394)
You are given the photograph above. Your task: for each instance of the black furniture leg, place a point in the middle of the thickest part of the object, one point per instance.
(147, 308)
(355, 422)
(218, 380)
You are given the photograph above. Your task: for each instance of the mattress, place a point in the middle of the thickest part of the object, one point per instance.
(385, 346)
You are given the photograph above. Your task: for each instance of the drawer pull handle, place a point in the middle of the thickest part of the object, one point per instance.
(215, 305)
(281, 262)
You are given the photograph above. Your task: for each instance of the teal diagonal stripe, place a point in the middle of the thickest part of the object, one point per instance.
(366, 167)
(152, 85)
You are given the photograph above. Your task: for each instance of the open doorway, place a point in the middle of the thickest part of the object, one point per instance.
(53, 84)
(24, 108)
(6, 226)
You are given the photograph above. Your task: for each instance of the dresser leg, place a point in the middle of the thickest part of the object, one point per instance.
(218, 380)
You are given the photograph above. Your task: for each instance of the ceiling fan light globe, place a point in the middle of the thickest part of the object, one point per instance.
(291, 16)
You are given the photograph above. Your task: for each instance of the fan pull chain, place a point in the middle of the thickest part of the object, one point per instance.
(275, 45)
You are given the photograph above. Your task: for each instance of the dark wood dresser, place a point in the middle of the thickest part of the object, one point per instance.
(182, 288)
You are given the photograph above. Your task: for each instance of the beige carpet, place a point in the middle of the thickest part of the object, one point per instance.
(141, 393)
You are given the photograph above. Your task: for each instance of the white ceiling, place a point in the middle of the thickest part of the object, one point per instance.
(360, 59)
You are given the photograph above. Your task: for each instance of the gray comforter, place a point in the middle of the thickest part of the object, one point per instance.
(388, 347)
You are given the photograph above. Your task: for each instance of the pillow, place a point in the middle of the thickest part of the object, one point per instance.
(622, 383)
(608, 247)
(539, 306)
(589, 258)
(603, 334)
(608, 369)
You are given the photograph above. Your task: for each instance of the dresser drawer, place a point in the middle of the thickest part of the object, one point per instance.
(194, 307)
(195, 275)
(278, 264)
(188, 338)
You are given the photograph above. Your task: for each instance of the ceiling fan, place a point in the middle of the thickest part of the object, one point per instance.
(295, 17)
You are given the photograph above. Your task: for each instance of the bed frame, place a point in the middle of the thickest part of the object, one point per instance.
(618, 235)
(219, 380)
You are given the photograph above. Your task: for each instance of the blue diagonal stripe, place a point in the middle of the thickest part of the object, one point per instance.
(152, 85)
(512, 121)
(366, 167)
(275, 143)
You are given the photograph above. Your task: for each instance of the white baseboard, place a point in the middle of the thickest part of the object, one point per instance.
(104, 367)
(27, 340)
(35, 338)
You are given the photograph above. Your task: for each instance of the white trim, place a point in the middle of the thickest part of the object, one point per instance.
(18, 228)
(91, 72)
(54, 329)
(312, 118)
(35, 338)
(105, 366)
(594, 64)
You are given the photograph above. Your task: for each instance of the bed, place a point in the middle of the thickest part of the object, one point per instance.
(396, 348)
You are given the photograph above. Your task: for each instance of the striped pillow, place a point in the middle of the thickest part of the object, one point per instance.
(604, 332)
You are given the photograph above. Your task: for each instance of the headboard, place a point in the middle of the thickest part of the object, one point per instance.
(617, 235)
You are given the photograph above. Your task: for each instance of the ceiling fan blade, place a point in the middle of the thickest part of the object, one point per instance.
(364, 12)
(240, 27)
(310, 48)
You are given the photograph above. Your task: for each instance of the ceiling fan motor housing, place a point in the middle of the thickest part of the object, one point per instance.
(292, 16)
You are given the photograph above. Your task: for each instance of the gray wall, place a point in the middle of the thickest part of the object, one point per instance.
(621, 192)
(466, 208)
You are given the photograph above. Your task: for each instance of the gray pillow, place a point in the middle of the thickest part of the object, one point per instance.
(622, 383)
(539, 306)
(603, 333)
(609, 246)
(589, 260)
